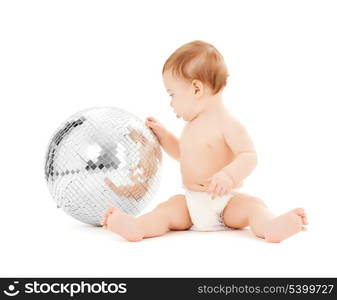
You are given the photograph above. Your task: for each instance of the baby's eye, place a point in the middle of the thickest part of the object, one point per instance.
(171, 95)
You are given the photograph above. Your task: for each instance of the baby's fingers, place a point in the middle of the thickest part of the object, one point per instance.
(152, 124)
(216, 192)
(151, 119)
(211, 187)
(223, 192)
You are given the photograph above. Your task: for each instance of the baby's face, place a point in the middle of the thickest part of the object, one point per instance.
(184, 99)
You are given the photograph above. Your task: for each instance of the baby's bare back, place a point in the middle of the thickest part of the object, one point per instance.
(203, 151)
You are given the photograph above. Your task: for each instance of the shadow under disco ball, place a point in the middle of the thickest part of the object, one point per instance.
(99, 157)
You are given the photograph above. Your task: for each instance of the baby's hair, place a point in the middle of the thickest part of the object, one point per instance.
(199, 60)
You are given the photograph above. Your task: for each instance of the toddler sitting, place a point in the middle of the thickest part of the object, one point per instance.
(215, 153)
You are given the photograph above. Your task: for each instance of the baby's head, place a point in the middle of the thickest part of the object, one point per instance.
(193, 75)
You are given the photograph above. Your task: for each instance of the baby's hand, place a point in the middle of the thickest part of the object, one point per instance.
(219, 184)
(158, 129)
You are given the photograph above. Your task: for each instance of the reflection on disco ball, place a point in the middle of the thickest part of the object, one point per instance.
(99, 157)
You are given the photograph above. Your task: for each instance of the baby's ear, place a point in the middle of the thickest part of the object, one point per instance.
(197, 86)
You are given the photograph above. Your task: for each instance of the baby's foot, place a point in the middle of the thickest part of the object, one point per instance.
(286, 225)
(122, 224)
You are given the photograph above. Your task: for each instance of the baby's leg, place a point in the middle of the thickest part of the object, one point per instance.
(169, 215)
(243, 210)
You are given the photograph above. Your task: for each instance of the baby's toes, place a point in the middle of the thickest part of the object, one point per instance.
(106, 224)
(109, 221)
(103, 221)
(107, 213)
(302, 213)
(299, 211)
(305, 220)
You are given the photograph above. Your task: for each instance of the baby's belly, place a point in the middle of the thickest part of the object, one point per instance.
(195, 169)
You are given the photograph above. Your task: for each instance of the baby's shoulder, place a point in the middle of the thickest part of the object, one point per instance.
(231, 123)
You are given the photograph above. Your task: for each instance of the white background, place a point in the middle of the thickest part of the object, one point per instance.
(58, 57)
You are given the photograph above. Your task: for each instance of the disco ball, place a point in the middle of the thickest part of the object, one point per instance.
(99, 157)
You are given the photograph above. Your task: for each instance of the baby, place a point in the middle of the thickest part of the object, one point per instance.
(215, 153)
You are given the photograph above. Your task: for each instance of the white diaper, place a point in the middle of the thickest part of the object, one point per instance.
(207, 213)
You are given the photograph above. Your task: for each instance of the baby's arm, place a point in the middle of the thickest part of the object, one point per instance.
(242, 146)
(167, 140)
(170, 144)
